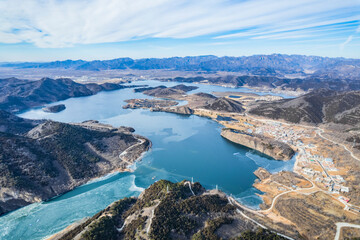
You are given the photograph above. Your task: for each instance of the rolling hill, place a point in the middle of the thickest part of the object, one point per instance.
(321, 106)
(43, 159)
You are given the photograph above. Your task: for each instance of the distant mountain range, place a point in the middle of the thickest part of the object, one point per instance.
(264, 65)
(321, 106)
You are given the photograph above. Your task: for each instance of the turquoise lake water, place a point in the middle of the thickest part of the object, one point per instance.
(183, 148)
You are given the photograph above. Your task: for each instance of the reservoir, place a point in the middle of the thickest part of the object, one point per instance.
(184, 147)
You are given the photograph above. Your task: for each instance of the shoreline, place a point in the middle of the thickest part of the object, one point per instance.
(210, 114)
(265, 90)
(127, 169)
(108, 173)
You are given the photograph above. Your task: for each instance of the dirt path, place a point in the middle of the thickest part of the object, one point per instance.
(305, 191)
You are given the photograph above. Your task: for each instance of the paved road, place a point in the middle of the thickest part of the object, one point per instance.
(299, 190)
(339, 225)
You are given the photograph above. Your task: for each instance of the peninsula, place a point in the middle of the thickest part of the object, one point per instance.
(43, 159)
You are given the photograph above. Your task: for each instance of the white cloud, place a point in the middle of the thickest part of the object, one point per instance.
(56, 23)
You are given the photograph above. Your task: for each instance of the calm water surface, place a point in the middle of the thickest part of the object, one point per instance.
(183, 147)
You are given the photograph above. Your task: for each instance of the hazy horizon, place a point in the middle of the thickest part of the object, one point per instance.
(109, 59)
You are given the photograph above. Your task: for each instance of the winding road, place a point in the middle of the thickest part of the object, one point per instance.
(299, 190)
(127, 150)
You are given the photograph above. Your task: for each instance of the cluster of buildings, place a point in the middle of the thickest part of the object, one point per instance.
(334, 183)
(326, 163)
(315, 167)
(282, 133)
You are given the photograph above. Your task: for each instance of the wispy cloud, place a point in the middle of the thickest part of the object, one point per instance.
(64, 23)
(349, 39)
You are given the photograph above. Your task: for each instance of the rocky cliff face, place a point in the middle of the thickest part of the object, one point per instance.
(267, 146)
(52, 158)
(184, 110)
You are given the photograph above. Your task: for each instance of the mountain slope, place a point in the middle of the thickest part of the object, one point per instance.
(163, 91)
(10, 123)
(225, 105)
(263, 81)
(19, 94)
(321, 106)
(168, 210)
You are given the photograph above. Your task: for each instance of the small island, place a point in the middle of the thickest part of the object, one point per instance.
(55, 108)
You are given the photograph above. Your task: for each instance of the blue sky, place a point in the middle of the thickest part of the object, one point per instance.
(40, 30)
